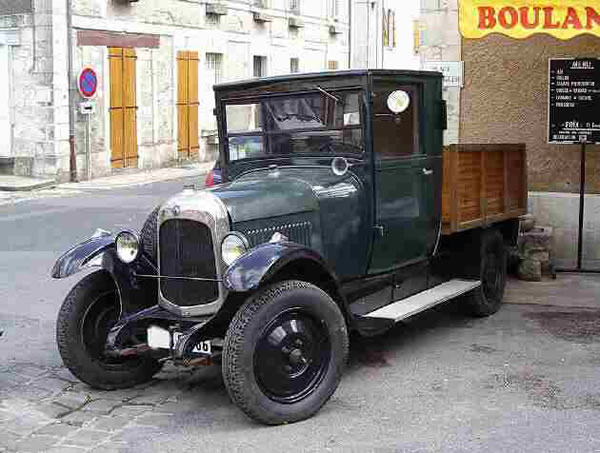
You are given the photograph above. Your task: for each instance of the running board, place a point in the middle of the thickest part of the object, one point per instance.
(405, 308)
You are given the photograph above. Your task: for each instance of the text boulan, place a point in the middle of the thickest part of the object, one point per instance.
(520, 19)
(536, 18)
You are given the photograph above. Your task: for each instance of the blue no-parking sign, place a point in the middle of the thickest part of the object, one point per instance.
(87, 83)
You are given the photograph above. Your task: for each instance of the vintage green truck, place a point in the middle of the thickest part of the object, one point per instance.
(339, 211)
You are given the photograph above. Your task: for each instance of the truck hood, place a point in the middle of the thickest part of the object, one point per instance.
(278, 192)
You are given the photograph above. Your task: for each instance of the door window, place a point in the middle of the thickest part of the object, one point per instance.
(396, 123)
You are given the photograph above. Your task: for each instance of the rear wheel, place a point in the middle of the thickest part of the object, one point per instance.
(84, 320)
(285, 352)
(487, 299)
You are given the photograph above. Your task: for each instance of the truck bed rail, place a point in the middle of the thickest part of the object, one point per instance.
(482, 184)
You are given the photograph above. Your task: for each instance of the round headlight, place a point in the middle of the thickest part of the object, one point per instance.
(128, 246)
(233, 246)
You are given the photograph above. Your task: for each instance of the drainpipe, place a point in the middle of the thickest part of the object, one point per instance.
(349, 34)
(72, 151)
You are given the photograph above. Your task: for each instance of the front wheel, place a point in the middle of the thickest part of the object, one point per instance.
(84, 320)
(285, 352)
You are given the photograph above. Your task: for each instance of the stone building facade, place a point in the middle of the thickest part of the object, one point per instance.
(505, 100)
(156, 62)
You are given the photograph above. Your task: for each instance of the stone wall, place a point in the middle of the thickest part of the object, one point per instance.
(39, 110)
(10, 7)
(506, 100)
(184, 25)
(441, 42)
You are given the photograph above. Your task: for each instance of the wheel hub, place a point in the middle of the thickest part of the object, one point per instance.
(291, 356)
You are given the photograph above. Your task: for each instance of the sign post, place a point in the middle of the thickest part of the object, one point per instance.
(573, 105)
(87, 84)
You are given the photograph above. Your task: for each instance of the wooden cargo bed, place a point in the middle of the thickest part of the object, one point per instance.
(482, 184)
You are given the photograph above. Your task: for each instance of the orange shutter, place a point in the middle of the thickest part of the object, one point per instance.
(123, 107)
(187, 103)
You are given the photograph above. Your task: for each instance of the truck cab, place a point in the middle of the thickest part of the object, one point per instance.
(328, 219)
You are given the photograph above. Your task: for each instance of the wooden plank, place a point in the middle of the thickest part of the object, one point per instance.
(182, 97)
(116, 39)
(130, 106)
(454, 190)
(482, 184)
(446, 178)
(115, 60)
(193, 105)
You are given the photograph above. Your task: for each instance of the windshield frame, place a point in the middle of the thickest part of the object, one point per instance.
(266, 135)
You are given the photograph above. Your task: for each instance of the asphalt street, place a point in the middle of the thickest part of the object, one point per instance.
(526, 379)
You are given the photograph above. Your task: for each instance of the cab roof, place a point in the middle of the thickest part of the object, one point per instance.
(329, 76)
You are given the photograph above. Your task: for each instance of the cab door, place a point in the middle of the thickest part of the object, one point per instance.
(406, 224)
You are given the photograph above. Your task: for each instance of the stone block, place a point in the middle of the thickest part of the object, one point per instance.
(87, 437)
(530, 270)
(537, 239)
(56, 430)
(527, 222)
(72, 400)
(36, 444)
(111, 423)
(101, 406)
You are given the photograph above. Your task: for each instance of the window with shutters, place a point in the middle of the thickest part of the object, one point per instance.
(294, 6)
(260, 66)
(123, 107)
(187, 103)
(334, 9)
(332, 65)
(294, 65)
(214, 66)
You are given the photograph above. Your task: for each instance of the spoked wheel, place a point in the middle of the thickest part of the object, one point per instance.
(285, 352)
(84, 320)
(487, 299)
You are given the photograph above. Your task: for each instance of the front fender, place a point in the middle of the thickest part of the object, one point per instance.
(82, 255)
(135, 291)
(263, 261)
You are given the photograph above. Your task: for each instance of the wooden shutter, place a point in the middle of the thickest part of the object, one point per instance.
(187, 103)
(123, 107)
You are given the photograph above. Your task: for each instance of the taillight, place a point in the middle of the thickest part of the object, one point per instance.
(209, 181)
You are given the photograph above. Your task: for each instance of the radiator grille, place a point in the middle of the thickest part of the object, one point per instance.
(186, 250)
(299, 232)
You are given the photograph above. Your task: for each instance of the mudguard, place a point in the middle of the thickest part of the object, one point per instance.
(264, 261)
(82, 255)
(135, 292)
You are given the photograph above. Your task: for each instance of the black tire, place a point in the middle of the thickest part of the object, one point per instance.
(86, 315)
(487, 299)
(148, 235)
(303, 369)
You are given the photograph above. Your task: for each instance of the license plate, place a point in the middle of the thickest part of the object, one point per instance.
(161, 338)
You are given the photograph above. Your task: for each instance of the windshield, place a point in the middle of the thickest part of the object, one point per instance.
(313, 124)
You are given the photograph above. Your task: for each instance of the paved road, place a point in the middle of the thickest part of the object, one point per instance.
(527, 379)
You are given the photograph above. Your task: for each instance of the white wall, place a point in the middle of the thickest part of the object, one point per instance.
(5, 127)
(368, 50)
(403, 56)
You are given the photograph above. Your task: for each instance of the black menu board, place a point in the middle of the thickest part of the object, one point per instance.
(574, 101)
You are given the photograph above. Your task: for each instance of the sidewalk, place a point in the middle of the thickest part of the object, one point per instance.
(125, 179)
(569, 290)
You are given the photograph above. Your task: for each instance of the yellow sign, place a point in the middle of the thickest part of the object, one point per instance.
(563, 19)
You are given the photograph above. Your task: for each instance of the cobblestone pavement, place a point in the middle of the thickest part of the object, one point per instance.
(47, 409)
(525, 379)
